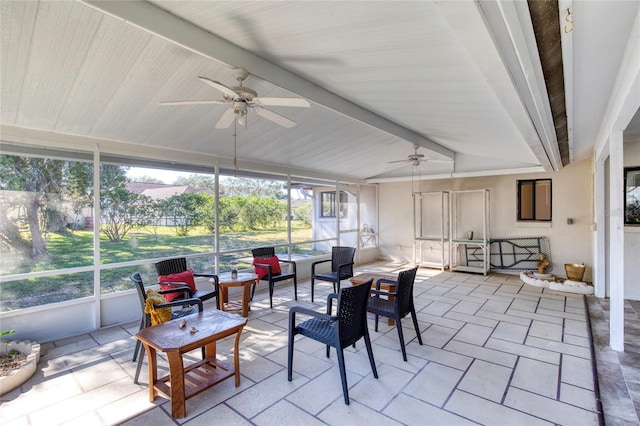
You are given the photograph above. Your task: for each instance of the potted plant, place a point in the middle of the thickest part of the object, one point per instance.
(18, 361)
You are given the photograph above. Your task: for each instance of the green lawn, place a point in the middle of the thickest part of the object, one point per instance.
(75, 249)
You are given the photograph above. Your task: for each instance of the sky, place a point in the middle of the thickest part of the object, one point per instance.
(166, 176)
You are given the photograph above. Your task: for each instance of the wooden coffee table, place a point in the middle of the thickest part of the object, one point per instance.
(244, 280)
(359, 279)
(184, 382)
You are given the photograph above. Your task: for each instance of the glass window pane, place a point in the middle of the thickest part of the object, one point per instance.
(46, 209)
(30, 292)
(153, 213)
(526, 200)
(543, 200)
(253, 212)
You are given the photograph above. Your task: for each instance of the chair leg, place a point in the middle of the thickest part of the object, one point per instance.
(343, 375)
(136, 350)
(312, 282)
(376, 323)
(138, 343)
(401, 336)
(415, 325)
(334, 288)
(138, 368)
(271, 286)
(253, 289)
(290, 353)
(367, 342)
(295, 287)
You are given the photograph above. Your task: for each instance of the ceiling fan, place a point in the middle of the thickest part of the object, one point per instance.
(244, 99)
(415, 159)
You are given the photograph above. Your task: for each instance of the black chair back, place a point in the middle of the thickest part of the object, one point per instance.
(352, 313)
(404, 291)
(342, 255)
(263, 252)
(171, 266)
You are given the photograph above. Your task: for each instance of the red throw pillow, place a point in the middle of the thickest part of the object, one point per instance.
(183, 277)
(274, 262)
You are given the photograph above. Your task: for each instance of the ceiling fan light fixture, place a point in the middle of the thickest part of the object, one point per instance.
(240, 108)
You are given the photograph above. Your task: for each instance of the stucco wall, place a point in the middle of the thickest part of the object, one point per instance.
(572, 197)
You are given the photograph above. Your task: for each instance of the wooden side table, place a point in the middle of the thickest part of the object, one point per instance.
(359, 279)
(184, 382)
(243, 280)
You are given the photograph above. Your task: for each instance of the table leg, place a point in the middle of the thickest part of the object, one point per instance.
(152, 360)
(210, 350)
(236, 357)
(224, 297)
(176, 373)
(246, 298)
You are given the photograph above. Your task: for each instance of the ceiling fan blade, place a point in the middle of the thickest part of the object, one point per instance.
(276, 118)
(290, 102)
(435, 160)
(194, 102)
(221, 87)
(226, 119)
(398, 161)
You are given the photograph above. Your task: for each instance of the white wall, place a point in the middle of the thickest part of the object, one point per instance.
(572, 198)
(631, 235)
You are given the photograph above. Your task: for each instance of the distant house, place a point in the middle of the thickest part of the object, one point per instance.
(161, 191)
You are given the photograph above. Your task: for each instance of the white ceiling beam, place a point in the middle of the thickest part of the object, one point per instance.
(510, 26)
(479, 173)
(163, 24)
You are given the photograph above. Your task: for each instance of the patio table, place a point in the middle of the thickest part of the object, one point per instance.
(183, 382)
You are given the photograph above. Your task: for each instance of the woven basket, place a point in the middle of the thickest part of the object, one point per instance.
(574, 271)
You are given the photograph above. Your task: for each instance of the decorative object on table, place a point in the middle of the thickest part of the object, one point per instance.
(234, 269)
(182, 324)
(267, 266)
(339, 331)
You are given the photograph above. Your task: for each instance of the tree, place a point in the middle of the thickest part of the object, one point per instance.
(36, 179)
(250, 187)
(188, 210)
(197, 181)
(119, 215)
(148, 179)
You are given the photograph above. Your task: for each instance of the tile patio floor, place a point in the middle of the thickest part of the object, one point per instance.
(495, 352)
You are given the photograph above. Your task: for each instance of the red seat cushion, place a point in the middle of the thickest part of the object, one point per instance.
(183, 277)
(274, 262)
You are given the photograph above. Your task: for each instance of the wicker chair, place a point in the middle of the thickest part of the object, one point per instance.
(188, 307)
(271, 277)
(399, 307)
(341, 268)
(338, 331)
(178, 265)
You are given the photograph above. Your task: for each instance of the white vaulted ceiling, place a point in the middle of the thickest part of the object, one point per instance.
(380, 76)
